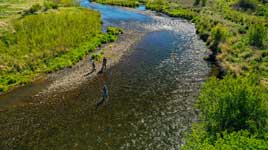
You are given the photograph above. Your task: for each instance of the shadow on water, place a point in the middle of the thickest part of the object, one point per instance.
(151, 93)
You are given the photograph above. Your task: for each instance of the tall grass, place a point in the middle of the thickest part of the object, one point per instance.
(47, 42)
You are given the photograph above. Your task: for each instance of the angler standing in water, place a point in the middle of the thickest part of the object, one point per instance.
(104, 65)
(104, 96)
(93, 66)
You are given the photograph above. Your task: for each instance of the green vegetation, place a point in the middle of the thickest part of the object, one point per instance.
(234, 104)
(258, 35)
(200, 140)
(96, 56)
(50, 5)
(234, 110)
(40, 43)
(243, 50)
(233, 115)
(35, 8)
(218, 35)
(114, 31)
(129, 3)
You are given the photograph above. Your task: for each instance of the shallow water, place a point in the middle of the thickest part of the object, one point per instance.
(152, 91)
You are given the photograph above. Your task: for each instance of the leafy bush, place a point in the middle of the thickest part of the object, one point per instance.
(183, 13)
(233, 104)
(257, 35)
(262, 10)
(96, 57)
(50, 5)
(114, 31)
(35, 8)
(233, 115)
(199, 140)
(157, 5)
(218, 34)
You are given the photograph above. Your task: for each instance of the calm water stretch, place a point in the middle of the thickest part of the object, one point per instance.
(151, 94)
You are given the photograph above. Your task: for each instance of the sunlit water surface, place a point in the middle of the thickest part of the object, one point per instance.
(152, 92)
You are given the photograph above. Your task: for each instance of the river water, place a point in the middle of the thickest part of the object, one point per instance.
(151, 94)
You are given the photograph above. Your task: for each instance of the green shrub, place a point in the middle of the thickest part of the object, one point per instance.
(262, 10)
(218, 34)
(233, 104)
(35, 8)
(257, 35)
(114, 31)
(199, 140)
(96, 57)
(157, 5)
(183, 13)
(50, 5)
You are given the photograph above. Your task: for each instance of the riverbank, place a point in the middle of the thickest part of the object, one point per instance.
(35, 43)
(70, 78)
(233, 110)
(232, 52)
(151, 92)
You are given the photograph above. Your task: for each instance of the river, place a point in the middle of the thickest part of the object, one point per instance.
(151, 94)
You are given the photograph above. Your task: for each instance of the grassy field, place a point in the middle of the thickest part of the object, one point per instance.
(233, 110)
(36, 41)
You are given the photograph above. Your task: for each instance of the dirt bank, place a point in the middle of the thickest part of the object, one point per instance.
(70, 78)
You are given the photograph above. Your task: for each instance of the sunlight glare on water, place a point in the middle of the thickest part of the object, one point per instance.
(152, 92)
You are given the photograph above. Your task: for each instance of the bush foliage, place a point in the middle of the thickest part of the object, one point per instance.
(199, 139)
(218, 34)
(233, 115)
(258, 35)
(233, 104)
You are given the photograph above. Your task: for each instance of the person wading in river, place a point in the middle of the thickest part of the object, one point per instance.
(104, 65)
(93, 66)
(104, 96)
